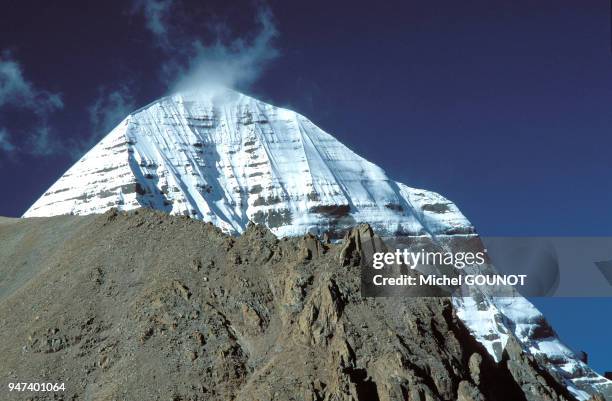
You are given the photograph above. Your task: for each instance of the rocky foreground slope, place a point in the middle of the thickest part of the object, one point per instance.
(97, 302)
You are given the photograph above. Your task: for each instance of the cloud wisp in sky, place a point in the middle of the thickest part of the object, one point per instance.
(18, 93)
(222, 60)
(110, 107)
(5, 144)
(156, 15)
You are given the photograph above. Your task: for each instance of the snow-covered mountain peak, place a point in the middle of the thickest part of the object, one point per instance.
(228, 158)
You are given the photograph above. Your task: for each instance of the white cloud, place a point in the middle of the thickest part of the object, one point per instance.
(156, 14)
(192, 62)
(5, 144)
(20, 94)
(42, 143)
(13, 86)
(110, 108)
(235, 63)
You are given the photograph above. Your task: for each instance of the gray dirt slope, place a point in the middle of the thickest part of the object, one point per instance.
(146, 306)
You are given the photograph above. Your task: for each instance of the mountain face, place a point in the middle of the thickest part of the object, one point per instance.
(230, 159)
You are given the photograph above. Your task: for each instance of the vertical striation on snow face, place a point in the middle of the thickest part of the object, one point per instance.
(229, 159)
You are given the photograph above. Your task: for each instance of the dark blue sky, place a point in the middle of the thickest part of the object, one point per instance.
(503, 107)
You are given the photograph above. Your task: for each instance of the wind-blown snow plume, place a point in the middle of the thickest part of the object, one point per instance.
(18, 93)
(234, 63)
(218, 61)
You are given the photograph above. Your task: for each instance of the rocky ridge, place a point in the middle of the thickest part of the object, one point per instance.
(107, 310)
